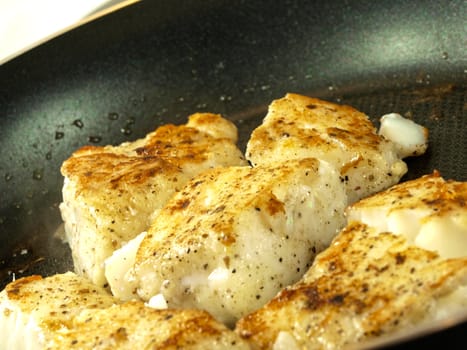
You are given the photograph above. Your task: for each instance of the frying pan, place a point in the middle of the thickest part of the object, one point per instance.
(120, 76)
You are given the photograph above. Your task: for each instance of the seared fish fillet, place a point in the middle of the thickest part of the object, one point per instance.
(33, 309)
(430, 211)
(298, 126)
(233, 237)
(366, 284)
(67, 312)
(111, 193)
(133, 325)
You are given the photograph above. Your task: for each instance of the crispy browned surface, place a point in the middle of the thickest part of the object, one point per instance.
(430, 212)
(431, 193)
(66, 311)
(233, 237)
(233, 191)
(298, 126)
(306, 122)
(55, 300)
(365, 285)
(167, 151)
(111, 193)
(133, 324)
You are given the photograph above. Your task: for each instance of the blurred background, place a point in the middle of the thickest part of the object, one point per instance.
(25, 24)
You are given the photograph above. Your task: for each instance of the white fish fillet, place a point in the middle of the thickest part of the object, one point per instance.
(366, 284)
(67, 312)
(430, 211)
(33, 309)
(297, 126)
(134, 325)
(233, 237)
(111, 193)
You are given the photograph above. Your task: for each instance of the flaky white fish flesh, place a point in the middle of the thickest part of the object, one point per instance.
(367, 284)
(111, 193)
(233, 237)
(430, 211)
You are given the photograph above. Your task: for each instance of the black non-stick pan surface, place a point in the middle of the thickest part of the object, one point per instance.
(122, 75)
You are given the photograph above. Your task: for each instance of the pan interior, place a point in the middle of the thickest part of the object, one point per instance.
(440, 108)
(119, 77)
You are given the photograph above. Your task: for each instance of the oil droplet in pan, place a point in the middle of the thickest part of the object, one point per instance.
(225, 98)
(37, 174)
(126, 130)
(112, 116)
(78, 123)
(94, 139)
(59, 135)
(8, 177)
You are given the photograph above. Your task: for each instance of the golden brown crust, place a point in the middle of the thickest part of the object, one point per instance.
(133, 324)
(111, 193)
(165, 151)
(310, 122)
(17, 290)
(66, 311)
(298, 127)
(365, 285)
(252, 188)
(234, 236)
(429, 193)
(55, 300)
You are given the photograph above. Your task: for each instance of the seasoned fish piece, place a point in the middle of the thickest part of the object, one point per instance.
(33, 309)
(233, 237)
(66, 311)
(430, 211)
(111, 193)
(298, 126)
(366, 284)
(134, 325)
